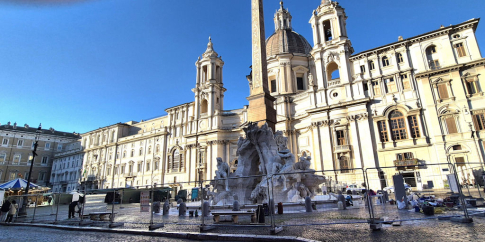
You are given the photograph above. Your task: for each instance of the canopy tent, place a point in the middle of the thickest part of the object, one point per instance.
(17, 184)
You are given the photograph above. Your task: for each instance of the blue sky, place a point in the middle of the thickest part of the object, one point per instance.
(83, 64)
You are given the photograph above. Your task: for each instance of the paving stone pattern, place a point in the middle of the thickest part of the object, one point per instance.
(318, 225)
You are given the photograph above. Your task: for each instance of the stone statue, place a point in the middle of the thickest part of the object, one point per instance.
(222, 172)
(264, 161)
(303, 164)
(310, 79)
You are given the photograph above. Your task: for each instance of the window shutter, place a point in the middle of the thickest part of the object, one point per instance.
(443, 91)
(460, 161)
(475, 122)
(451, 124)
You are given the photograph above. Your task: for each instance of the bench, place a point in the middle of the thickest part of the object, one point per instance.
(235, 215)
(100, 216)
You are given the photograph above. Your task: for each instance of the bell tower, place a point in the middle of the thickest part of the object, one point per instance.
(332, 48)
(209, 89)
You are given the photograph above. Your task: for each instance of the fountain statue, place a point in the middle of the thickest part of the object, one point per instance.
(266, 169)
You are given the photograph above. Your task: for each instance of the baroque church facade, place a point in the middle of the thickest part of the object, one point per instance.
(405, 105)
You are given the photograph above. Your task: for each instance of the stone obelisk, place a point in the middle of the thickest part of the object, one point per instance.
(261, 109)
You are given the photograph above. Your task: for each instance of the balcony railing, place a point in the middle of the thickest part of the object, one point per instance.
(91, 178)
(342, 148)
(406, 162)
(334, 82)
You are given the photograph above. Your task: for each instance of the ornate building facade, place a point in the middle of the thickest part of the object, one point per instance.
(412, 102)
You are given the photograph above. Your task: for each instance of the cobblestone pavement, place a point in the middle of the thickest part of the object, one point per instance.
(297, 223)
(21, 233)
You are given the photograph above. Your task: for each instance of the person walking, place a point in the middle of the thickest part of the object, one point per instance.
(12, 211)
(4, 210)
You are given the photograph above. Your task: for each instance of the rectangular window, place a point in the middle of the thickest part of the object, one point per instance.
(478, 119)
(472, 86)
(460, 49)
(59, 147)
(299, 83)
(41, 176)
(391, 85)
(16, 158)
(377, 88)
(451, 125)
(443, 91)
(371, 65)
(273, 85)
(5, 142)
(383, 131)
(341, 137)
(362, 69)
(139, 167)
(385, 61)
(47, 145)
(20, 143)
(2, 158)
(434, 64)
(156, 165)
(413, 124)
(406, 84)
(45, 159)
(408, 155)
(148, 165)
(108, 171)
(398, 128)
(400, 59)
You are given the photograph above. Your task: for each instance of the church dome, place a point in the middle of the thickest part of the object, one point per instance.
(284, 39)
(287, 41)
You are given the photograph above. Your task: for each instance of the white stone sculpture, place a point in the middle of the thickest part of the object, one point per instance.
(263, 161)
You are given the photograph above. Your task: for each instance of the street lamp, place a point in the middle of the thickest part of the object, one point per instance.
(23, 210)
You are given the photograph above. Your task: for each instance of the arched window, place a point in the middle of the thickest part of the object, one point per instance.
(432, 57)
(132, 153)
(398, 125)
(385, 61)
(332, 71)
(140, 151)
(203, 107)
(149, 149)
(157, 149)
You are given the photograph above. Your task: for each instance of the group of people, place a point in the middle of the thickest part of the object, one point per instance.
(9, 209)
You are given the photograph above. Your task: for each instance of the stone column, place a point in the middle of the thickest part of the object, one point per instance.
(261, 108)
(355, 141)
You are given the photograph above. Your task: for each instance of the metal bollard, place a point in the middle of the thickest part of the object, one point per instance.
(35, 208)
(280, 208)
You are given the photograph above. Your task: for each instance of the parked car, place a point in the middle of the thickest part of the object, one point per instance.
(356, 188)
(391, 188)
